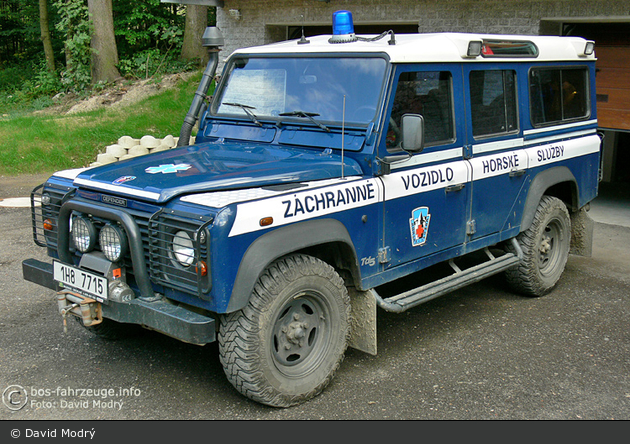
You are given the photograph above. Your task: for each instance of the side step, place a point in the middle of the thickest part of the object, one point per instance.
(458, 279)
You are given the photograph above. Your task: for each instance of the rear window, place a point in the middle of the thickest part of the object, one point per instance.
(558, 95)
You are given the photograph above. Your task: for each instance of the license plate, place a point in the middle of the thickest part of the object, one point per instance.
(83, 282)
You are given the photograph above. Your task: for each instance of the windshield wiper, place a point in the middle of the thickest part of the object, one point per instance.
(246, 109)
(308, 116)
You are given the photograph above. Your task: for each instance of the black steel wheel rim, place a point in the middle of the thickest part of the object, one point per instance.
(301, 334)
(549, 249)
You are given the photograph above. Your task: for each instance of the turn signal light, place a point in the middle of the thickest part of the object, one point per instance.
(48, 225)
(201, 265)
(266, 221)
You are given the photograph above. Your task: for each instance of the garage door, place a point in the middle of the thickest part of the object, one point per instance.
(613, 87)
(612, 49)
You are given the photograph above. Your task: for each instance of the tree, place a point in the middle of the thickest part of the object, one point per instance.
(103, 43)
(196, 22)
(45, 33)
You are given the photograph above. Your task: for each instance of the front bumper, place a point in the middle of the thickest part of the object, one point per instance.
(161, 315)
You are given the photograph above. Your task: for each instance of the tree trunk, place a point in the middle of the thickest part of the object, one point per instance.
(103, 43)
(45, 33)
(196, 22)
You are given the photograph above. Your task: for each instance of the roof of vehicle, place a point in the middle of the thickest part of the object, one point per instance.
(437, 47)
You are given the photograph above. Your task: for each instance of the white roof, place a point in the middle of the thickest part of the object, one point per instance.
(439, 47)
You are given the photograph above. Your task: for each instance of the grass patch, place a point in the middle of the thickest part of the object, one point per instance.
(43, 143)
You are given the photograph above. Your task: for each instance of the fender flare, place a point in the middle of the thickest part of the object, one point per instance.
(539, 185)
(280, 242)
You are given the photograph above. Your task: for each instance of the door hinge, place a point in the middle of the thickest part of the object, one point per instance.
(467, 152)
(384, 255)
(471, 227)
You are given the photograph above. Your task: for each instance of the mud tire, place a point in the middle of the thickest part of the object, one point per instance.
(545, 246)
(285, 346)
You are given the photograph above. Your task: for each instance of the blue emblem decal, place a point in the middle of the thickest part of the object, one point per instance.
(419, 224)
(123, 179)
(170, 168)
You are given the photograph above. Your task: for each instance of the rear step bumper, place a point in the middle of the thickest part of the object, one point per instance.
(458, 279)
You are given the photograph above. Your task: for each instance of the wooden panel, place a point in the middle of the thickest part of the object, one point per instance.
(613, 56)
(613, 77)
(616, 99)
(613, 86)
(613, 119)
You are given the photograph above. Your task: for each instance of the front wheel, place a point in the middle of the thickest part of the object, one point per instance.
(285, 346)
(545, 246)
(112, 330)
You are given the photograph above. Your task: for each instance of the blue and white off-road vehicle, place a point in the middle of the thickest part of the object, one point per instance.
(323, 171)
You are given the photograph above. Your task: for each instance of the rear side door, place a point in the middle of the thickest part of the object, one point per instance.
(494, 146)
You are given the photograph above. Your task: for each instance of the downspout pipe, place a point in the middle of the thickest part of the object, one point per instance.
(213, 40)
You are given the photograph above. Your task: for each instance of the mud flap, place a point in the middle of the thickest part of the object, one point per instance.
(582, 227)
(363, 336)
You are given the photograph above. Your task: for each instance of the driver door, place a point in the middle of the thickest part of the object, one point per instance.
(426, 196)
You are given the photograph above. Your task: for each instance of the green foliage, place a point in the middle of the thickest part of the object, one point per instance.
(43, 83)
(147, 24)
(75, 23)
(47, 143)
(27, 87)
(152, 63)
(19, 33)
(149, 36)
(13, 77)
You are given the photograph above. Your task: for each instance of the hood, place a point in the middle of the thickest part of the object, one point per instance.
(212, 166)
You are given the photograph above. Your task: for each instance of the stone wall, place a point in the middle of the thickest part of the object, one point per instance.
(265, 21)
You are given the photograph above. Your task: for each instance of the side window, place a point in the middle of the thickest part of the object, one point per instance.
(430, 94)
(493, 102)
(558, 94)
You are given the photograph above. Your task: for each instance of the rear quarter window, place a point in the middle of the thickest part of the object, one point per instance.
(558, 95)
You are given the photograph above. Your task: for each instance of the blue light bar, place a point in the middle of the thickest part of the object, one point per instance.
(343, 27)
(342, 23)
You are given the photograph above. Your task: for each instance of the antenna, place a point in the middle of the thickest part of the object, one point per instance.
(303, 40)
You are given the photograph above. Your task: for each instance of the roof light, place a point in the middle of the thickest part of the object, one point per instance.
(589, 48)
(343, 27)
(474, 48)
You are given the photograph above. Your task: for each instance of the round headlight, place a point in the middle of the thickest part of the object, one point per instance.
(83, 234)
(183, 248)
(113, 242)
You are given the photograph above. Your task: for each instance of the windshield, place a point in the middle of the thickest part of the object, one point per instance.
(272, 86)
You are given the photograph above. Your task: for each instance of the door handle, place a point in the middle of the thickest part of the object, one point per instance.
(517, 173)
(458, 187)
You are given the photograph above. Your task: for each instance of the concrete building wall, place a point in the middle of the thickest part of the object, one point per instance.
(254, 22)
(265, 21)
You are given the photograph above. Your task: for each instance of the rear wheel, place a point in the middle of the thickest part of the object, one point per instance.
(545, 246)
(285, 346)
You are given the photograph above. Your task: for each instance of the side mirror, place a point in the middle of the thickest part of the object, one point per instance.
(412, 133)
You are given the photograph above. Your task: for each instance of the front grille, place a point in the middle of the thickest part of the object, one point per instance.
(157, 231)
(45, 211)
(169, 262)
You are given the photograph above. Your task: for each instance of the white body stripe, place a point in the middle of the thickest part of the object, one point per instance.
(70, 174)
(497, 146)
(303, 205)
(559, 127)
(220, 199)
(117, 189)
(498, 164)
(421, 159)
(420, 180)
(562, 150)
